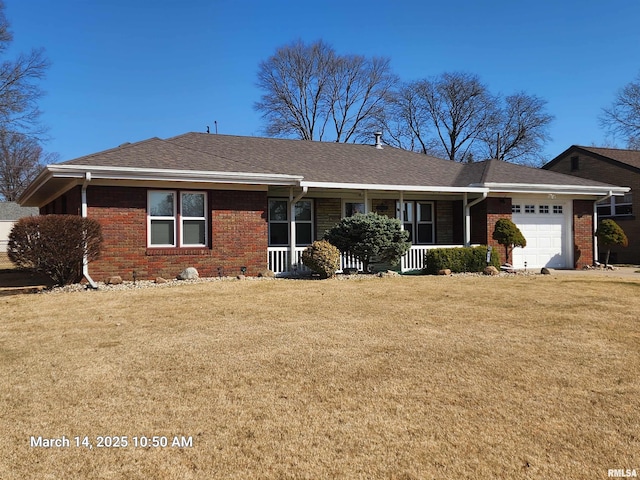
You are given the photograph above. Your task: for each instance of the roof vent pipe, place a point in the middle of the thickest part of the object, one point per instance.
(378, 136)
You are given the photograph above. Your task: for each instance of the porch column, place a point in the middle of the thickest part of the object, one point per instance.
(400, 211)
(292, 223)
(366, 201)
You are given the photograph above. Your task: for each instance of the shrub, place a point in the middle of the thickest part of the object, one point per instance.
(322, 258)
(508, 234)
(611, 234)
(55, 245)
(370, 236)
(458, 260)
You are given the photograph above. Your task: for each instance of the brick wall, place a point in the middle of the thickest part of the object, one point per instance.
(582, 233)
(602, 170)
(237, 232)
(483, 221)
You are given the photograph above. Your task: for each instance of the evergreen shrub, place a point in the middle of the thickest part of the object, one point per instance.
(459, 260)
(322, 258)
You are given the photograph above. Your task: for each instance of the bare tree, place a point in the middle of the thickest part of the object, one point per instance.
(518, 131)
(21, 159)
(622, 118)
(460, 108)
(21, 156)
(309, 87)
(455, 116)
(405, 120)
(359, 88)
(19, 85)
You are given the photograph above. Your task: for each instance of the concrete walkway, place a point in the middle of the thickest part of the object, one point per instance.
(618, 272)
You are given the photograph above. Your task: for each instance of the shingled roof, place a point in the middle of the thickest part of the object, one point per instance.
(630, 158)
(320, 162)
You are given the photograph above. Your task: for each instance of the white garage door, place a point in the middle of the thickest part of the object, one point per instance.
(544, 226)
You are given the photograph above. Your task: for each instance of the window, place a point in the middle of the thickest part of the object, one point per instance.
(193, 219)
(515, 209)
(279, 222)
(616, 206)
(351, 208)
(543, 208)
(557, 209)
(164, 221)
(417, 219)
(529, 209)
(425, 223)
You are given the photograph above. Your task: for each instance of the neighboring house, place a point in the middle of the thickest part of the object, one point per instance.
(616, 166)
(226, 203)
(9, 213)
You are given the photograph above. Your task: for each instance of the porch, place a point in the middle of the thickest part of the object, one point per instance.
(279, 262)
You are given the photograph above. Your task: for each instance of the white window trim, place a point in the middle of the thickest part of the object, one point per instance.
(287, 221)
(414, 219)
(417, 209)
(183, 219)
(177, 218)
(150, 218)
(614, 201)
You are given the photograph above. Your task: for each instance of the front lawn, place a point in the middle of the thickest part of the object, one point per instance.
(399, 378)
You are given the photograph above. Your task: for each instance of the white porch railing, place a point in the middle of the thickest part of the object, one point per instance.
(278, 259)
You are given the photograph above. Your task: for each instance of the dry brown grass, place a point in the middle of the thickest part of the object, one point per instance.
(399, 378)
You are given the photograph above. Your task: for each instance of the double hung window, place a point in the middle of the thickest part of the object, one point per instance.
(176, 219)
(279, 222)
(417, 219)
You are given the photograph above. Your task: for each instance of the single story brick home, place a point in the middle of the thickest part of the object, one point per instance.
(611, 165)
(227, 204)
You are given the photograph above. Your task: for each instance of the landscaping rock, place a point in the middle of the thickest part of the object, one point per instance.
(161, 280)
(491, 270)
(188, 274)
(266, 273)
(240, 277)
(113, 280)
(545, 271)
(388, 273)
(444, 271)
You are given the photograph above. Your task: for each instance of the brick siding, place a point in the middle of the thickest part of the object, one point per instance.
(237, 232)
(596, 168)
(582, 233)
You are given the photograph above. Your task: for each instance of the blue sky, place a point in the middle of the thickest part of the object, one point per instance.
(123, 71)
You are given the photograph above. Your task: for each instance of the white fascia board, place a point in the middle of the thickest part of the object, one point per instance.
(404, 188)
(158, 174)
(559, 189)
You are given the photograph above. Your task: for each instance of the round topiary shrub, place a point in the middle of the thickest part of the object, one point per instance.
(322, 258)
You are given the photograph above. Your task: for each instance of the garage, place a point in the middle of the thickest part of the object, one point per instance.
(545, 226)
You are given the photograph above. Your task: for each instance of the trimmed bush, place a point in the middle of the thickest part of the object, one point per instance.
(508, 234)
(322, 258)
(370, 236)
(459, 260)
(610, 234)
(55, 245)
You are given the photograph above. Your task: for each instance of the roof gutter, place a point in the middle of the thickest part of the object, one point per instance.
(161, 174)
(85, 260)
(557, 189)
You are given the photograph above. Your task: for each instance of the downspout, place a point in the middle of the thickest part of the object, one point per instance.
(596, 257)
(85, 263)
(292, 235)
(467, 216)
